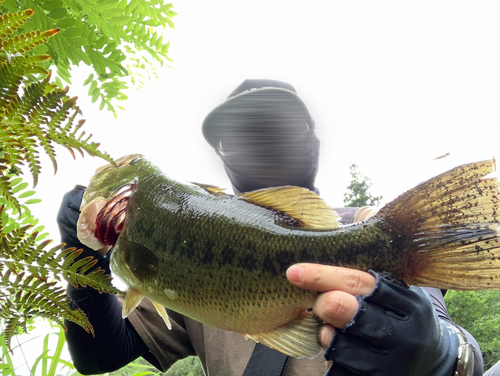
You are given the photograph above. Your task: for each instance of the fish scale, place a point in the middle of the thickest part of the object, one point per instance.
(221, 259)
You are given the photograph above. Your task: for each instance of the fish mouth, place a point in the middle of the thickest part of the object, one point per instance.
(101, 221)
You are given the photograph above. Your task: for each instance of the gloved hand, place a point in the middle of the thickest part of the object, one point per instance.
(388, 329)
(396, 331)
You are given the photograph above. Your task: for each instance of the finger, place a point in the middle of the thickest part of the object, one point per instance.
(328, 364)
(325, 335)
(336, 308)
(325, 278)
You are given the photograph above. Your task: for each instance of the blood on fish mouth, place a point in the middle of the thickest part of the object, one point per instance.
(110, 219)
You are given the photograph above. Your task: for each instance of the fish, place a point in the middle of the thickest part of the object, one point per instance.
(221, 259)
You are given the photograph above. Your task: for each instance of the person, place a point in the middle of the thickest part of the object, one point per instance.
(374, 323)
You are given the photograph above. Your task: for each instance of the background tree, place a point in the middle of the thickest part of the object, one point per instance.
(479, 313)
(116, 38)
(190, 366)
(358, 194)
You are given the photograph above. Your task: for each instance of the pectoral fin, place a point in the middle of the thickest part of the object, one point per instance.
(132, 300)
(163, 313)
(298, 339)
(141, 261)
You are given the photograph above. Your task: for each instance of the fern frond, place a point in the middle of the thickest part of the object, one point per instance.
(11, 77)
(27, 41)
(76, 272)
(28, 297)
(11, 325)
(64, 106)
(10, 22)
(32, 61)
(31, 156)
(35, 115)
(35, 119)
(27, 285)
(11, 200)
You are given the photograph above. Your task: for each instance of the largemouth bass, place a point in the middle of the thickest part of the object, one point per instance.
(221, 259)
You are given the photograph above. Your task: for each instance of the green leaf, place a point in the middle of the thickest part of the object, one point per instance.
(59, 82)
(82, 56)
(32, 201)
(78, 41)
(109, 47)
(6, 369)
(89, 79)
(150, 23)
(52, 5)
(116, 54)
(15, 181)
(66, 22)
(122, 97)
(110, 13)
(92, 88)
(10, 4)
(20, 187)
(39, 229)
(105, 4)
(119, 21)
(27, 194)
(42, 236)
(58, 13)
(170, 23)
(72, 32)
(95, 95)
(101, 42)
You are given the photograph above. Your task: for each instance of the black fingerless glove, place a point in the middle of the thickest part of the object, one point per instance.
(395, 331)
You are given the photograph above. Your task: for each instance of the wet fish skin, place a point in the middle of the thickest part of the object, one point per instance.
(221, 259)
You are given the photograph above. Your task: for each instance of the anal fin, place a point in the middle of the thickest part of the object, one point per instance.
(132, 300)
(299, 339)
(163, 313)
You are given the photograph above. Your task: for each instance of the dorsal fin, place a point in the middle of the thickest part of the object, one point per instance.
(211, 188)
(299, 203)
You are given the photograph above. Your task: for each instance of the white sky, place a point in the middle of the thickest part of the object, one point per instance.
(391, 85)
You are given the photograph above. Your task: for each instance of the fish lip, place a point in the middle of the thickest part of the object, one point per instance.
(85, 226)
(101, 220)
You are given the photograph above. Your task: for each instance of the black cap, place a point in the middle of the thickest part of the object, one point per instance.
(265, 136)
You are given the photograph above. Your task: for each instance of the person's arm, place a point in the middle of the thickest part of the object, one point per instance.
(376, 326)
(115, 344)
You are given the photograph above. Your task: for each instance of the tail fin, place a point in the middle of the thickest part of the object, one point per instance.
(458, 239)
